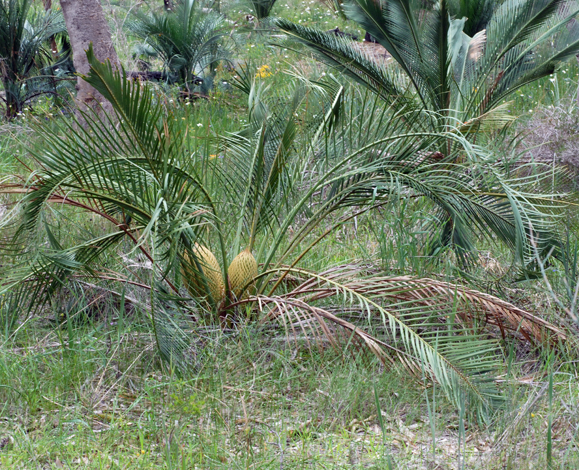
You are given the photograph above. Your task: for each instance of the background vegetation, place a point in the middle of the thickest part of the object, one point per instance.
(410, 205)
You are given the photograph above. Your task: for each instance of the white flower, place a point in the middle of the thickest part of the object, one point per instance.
(199, 125)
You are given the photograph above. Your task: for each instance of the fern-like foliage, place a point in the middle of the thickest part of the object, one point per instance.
(459, 77)
(294, 174)
(446, 81)
(188, 39)
(24, 52)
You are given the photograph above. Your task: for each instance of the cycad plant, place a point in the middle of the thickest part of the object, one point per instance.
(227, 236)
(261, 8)
(24, 52)
(188, 38)
(446, 79)
(460, 80)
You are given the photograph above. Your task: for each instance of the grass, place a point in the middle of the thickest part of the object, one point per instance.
(101, 398)
(83, 386)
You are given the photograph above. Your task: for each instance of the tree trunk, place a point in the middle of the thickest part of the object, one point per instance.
(86, 23)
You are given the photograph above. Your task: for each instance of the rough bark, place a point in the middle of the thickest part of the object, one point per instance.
(86, 23)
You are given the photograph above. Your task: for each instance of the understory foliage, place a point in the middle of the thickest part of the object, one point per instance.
(187, 38)
(308, 161)
(26, 63)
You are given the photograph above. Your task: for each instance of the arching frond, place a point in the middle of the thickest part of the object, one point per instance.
(429, 327)
(452, 73)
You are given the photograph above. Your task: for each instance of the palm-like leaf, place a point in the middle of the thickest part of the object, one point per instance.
(187, 39)
(451, 73)
(455, 82)
(139, 177)
(427, 324)
(24, 51)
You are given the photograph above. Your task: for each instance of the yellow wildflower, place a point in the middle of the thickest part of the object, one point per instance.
(263, 72)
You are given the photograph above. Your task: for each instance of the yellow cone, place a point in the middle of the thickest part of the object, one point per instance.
(242, 271)
(211, 274)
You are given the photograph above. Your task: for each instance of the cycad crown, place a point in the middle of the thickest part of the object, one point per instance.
(242, 270)
(210, 269)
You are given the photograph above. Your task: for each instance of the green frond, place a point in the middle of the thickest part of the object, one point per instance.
(188, 39)
(156, 191)
(25, 53)
(452, 73)
(342, 54)
(427, 325)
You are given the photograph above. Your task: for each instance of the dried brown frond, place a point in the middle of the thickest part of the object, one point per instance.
(435, 330)
(474, 305)
(319, 323)
(471, 306)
